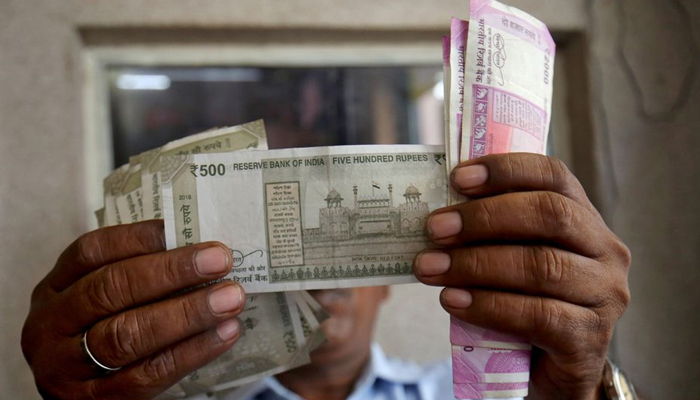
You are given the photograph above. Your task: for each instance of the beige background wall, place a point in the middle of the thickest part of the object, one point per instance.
(640, 64)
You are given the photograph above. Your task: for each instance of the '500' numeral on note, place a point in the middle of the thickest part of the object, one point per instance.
(208, 170)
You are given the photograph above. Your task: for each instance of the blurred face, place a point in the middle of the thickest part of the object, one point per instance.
(350, 328)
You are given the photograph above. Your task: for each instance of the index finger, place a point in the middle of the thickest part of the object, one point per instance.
(517, 172)
(98, 248)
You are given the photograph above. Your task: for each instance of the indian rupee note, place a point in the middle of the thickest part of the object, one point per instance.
(320, 313)
(507, 102)
(270, 343)
(491, 390)
(458, 41)
(446, 84)
(311, 218)
(466, 334)
(490, 365)
(311, 324)
(129, 197)
(508, 91)
(247, 136)
(112, 185)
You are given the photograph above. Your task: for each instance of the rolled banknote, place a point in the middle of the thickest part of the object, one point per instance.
(313, 218)
(490, 365)
(509, 61)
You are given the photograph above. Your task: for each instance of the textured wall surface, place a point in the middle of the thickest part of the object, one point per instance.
(645, 101)
(646, 55)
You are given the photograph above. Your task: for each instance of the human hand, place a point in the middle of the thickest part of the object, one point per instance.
(529, 255)
(120, 286)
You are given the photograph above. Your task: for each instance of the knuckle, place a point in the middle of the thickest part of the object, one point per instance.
(557, 211)
(624, 296)
(623, 253)
(88, 248)
(548, 267)
(601, 329)
(559, 325)
(511, 166)
(99, 297)
(122, 336)
(193, 312)
(110, 290)
(558, 173)
(498, 307)
(619, 298)
(591, 333)
(176, 264)
(547, 316)
(158, 370)
(486, 213)
(473, 261)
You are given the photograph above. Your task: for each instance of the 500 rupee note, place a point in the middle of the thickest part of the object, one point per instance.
(247, 136)
(311, 218)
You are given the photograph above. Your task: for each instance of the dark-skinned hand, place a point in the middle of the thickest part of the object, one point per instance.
(122, 287)
(529, 255)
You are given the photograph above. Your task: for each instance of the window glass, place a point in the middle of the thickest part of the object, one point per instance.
(301, 107)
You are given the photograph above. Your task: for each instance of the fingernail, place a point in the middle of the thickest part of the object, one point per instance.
(228, 330)
(211, 261)
(225, 299)
(432, 263)
(442, 226)
(470, 177)
(456, 298)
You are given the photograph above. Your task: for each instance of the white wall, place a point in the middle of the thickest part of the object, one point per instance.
(652, 202)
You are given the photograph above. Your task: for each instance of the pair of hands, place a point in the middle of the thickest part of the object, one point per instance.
(529, 255)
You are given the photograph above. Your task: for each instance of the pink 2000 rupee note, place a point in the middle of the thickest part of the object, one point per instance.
(490, 390)
(490, 365)
(508, 92)
(509, 62)
(465, 334)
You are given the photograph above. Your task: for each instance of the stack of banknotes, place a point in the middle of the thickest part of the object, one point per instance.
(279, 329)
(294, 219)
(498, 89)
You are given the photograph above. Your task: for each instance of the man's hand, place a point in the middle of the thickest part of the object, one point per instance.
(529, 255)
(120, 286)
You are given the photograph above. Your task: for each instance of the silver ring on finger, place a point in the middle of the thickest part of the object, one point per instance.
(100, 367)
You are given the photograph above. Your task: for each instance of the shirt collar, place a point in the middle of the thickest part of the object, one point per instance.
(379, 367)
(392, 369)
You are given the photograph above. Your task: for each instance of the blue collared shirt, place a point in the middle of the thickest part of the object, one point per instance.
(384, 379)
